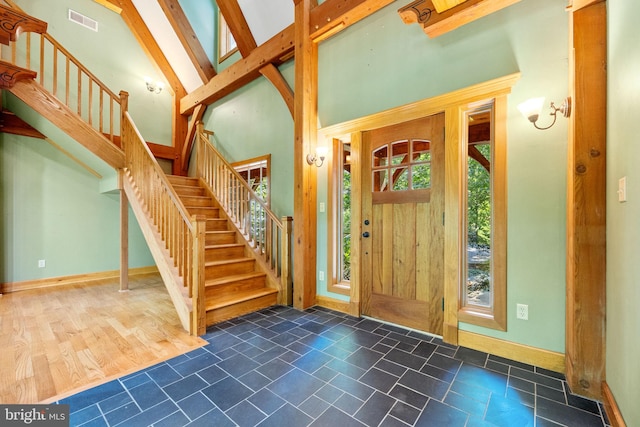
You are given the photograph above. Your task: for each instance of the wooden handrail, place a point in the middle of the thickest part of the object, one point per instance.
(264, 231)
(182, 234)
(66, 78)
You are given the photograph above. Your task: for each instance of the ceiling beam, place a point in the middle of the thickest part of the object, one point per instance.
(187, 36)
(238, 26)
(242, 72)
(325, 20)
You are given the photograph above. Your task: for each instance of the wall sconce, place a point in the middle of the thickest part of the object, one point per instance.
(531, 110)
(318, 157)
(155, 87)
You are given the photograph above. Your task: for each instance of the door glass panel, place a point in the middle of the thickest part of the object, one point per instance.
(380, 157)
(420, 151)
(400, 179)
(421, 176)
(380, 180)
(400, 152)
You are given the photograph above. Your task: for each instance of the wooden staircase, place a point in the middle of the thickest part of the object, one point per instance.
(234, 283)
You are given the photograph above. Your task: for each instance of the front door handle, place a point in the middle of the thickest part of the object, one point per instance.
(365, 234)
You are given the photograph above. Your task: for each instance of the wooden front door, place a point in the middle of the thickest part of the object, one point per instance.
(403, 223)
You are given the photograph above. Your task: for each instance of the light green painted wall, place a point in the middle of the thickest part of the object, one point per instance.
(53, 210)
(114, 56)
(255, 121)
(623, 230)
(203, 17)
(381, 63)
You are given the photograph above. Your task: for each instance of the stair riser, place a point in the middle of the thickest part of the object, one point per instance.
(220, 254)
(239, 267)
(217, 225)
(225, 313)
(189, 191)
(208, 212)
(250, 284)
(184, 180)
(193, 201)
(220, 238)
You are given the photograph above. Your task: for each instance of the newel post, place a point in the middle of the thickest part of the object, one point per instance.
(198, 314)
(285, 257)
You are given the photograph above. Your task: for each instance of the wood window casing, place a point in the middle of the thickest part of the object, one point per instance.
(337, 163)
(259, 167)
(226, 44)
(494, 315)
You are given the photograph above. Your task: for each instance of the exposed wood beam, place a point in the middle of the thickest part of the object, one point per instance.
(142, 33)
(191, 134)
(475, 154)
(139, 29)
(238, 26)
(304, 176)
(442, 5)
(109, 5)
(10, 74)
(271, 73)
(242, 72)
(333, 16)
(586, 203)
(188, 38)
(434, 24)
(326, 19)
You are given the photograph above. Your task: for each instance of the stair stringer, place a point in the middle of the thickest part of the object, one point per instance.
(48, 106)
(273, 281)
(169, 273)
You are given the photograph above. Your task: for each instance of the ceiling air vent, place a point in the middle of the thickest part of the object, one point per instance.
(85, 21)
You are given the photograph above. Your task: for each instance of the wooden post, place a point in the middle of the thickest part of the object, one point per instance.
(285, 261)
(124, 235)
(199, 312)
(305, 133)
(586, 203)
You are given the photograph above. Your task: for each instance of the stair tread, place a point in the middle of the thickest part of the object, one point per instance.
(224, 246)
(234, 278)
(238, 297)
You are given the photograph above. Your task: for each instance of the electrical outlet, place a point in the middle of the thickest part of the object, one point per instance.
(321, 275)
(42, 263)
(522, 311)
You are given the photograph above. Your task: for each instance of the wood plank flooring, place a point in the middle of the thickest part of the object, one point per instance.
(58, 341)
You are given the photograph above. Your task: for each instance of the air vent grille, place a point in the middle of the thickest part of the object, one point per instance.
(85, 21)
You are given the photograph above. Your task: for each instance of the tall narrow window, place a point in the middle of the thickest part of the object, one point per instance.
(341, 218)
(226, 43)
(484, 241)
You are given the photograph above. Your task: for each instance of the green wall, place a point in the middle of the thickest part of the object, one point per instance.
(380, 63)
(623, 230)
(53, 210)
(114, 56)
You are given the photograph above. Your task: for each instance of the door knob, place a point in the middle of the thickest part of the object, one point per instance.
(365, 234)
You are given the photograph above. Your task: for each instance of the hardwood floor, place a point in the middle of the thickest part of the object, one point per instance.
(58, 341)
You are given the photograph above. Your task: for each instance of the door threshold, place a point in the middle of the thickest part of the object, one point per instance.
(401, 326)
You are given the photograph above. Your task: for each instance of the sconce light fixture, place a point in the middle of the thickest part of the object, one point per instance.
(531, 110)
(318, 157)
(155, 87)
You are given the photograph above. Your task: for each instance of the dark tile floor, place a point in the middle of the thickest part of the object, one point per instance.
(282, 367)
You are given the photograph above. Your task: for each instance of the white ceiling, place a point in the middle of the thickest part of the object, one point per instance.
(266, 18)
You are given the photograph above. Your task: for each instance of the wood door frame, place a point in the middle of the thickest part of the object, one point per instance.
(453, 104)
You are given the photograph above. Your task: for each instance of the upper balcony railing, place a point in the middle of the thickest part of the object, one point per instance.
(61, 74)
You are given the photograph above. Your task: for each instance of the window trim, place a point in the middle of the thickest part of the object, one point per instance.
(335, 283)
(494, 317)
(265, 158)
(224, 35)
